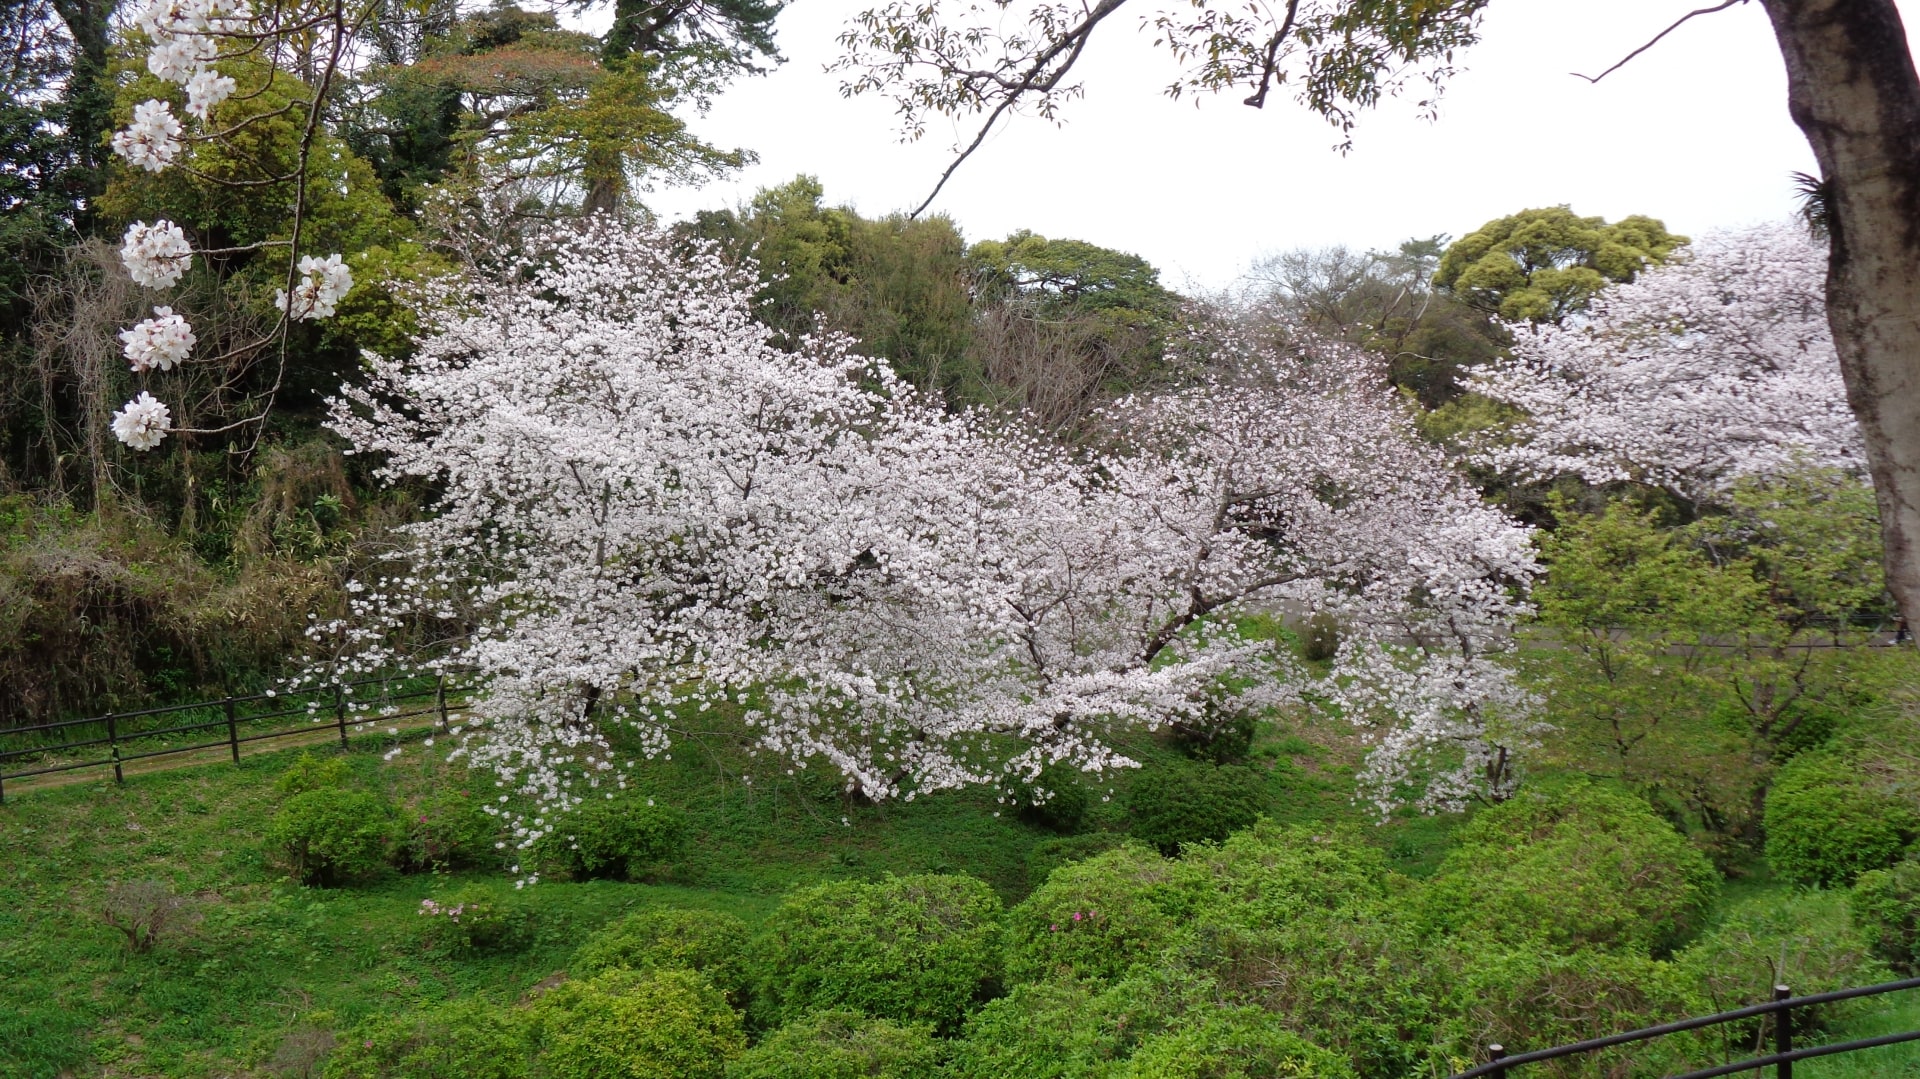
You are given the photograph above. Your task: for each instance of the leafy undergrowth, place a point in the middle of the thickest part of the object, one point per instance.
(271, 962)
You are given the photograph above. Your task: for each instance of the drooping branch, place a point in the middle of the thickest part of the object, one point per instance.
(1677, 23)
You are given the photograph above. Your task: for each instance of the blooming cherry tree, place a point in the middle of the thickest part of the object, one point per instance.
(645, 505)
(1715, 367)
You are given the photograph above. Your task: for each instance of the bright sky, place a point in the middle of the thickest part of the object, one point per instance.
(1694, 132)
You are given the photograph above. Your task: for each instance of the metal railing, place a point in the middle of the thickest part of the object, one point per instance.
(236, 721)
(1781, 1059)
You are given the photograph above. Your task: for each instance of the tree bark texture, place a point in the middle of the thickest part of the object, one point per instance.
(1853, 91)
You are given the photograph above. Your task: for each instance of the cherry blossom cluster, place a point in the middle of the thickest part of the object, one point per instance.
(1716, 366)
(159, 342)
(646, 508)
(185, 37)
(323, 282)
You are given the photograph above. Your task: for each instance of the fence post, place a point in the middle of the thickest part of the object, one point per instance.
(340, 711)
(233, 731)
(440, 697)
(1783, 1033)
(113, 748)
(1497, 1052)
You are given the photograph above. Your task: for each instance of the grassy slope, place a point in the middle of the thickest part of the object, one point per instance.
(271, 958)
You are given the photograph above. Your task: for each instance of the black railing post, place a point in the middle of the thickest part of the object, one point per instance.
(1497, 1052)
(1783, 1033)
(233, 731)
(113, 748)
(340, 711)
(440, 697)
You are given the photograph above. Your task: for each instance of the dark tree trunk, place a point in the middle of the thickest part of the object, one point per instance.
(1853, 91)
(89, 101)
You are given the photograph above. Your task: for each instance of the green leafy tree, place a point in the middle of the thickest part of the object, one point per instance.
(1541, 265)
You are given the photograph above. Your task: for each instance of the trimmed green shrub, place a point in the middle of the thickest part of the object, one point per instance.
(465, 1039)
(1885, 905)
(1827, 824)
(626, 1024)
(1057, 800)
(619, 838)
(1273, 873)
(842, 1045)
(1233, 1043)
(474, 919)
(1097, 919)
(328, 836)
(1802, 939)
(311, 773)
(1045, 857)
(1170, 806)
(1070, 1029)
(450, 831)
(918, 949)
(710, 942)
(1578, 866)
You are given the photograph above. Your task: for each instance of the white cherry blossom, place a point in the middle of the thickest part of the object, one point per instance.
(143, 423)
(206, 90)
(152, 140)
(155, 255)
(644, 504)
(323, 282)
(1717, 366)
(159, 342)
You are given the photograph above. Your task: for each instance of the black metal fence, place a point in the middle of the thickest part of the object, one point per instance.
(1780, 1009)
(118, 738)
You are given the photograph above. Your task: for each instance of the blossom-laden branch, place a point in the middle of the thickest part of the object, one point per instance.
(1716, 367)
(645, 504)
(186, 39)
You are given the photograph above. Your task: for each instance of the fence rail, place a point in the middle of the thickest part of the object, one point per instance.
(238, 720)
(1499, 1061)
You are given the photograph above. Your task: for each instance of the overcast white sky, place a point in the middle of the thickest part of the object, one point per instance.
(1694, 132)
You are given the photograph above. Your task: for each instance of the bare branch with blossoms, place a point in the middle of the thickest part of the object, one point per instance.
(644, 504)
(1715, 367)
(187, 39)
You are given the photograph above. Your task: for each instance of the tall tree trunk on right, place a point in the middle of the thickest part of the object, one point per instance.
(1853, 91)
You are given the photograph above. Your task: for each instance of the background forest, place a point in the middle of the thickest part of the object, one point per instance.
(1671, 767)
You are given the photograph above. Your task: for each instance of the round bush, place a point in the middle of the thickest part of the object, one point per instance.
(1170, 806)
(1045, 857)
(329, 835)
(476, 920)
(1099, 918)
(462, 1040)
(1233, 1043)
(1057, 800)
(620, 838)
(1271, 873)
(1827, 824)
(450, 831)
(842, 1045)
(1069, 1029)
(625, 1024)
(710, 942)
(311, 773)
(915, 949)
(1578, 866)
(1885, 904)
(1218, 737)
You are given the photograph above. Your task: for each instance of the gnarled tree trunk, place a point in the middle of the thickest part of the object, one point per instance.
(1853, 91)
